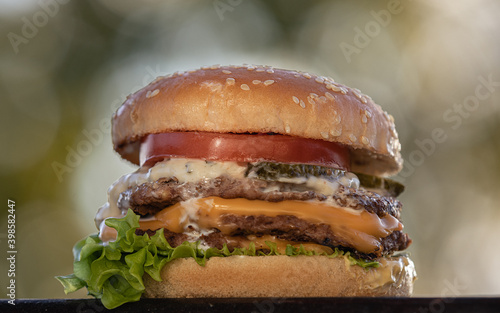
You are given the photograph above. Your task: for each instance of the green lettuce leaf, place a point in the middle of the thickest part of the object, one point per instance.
(113, 272)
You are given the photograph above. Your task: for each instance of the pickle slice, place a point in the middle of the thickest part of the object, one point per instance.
(393, 187)
(274, 171)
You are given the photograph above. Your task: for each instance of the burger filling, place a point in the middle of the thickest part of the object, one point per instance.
(233, 204)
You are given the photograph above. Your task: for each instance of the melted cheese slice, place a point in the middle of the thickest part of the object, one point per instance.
(360, 229)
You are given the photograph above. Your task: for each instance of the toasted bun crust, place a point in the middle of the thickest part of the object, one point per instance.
(281, 276)
(261, 100)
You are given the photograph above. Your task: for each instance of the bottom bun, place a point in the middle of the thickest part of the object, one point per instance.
(281, 276)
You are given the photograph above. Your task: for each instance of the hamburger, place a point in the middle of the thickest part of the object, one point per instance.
(252, 182)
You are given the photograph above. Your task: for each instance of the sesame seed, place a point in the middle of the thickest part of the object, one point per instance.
(336, 132)
(337, 119)
(230, 81)
(270, 71)
(329, 96)
(226, 72)
(157, 79)
(364, 119)
(389, 149)
(310, 100)
(268, 82)
(250, 68)
(368, 114)
(295, 99)
(322, 99)
(307, 75)
(205, 67)
(333, 87)
(319, 80)
(296, 75)
(302, 104)
(313, 95)
(352, 138)
(393, 130)
(287, 129)
(363, 99)
(256, 82)
(154, 92)
(324, 135)
(151, 94)
(260, 69)
(359, 95)
(245, 87)
(343, 90)
(365, 140)
(215, 66)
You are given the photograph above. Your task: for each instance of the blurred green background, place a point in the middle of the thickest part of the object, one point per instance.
(65, 66)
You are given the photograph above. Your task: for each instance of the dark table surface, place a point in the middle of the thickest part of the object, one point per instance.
(265, 305)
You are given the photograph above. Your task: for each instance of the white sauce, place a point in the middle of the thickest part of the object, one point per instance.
(192, 170)
(190, 214)
(185, 170)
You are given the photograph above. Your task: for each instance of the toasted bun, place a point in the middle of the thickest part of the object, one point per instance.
(281, 276)
(261, 100)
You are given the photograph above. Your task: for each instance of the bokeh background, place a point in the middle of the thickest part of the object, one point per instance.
(65, 66)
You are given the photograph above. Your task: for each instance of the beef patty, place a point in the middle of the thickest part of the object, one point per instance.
(150, 198)
(288, 228)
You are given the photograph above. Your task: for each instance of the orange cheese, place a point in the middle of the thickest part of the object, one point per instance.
(361, 229)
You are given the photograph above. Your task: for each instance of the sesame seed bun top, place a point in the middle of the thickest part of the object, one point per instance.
(256, 99)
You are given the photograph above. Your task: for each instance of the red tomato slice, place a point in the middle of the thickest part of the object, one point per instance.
(243, 148)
